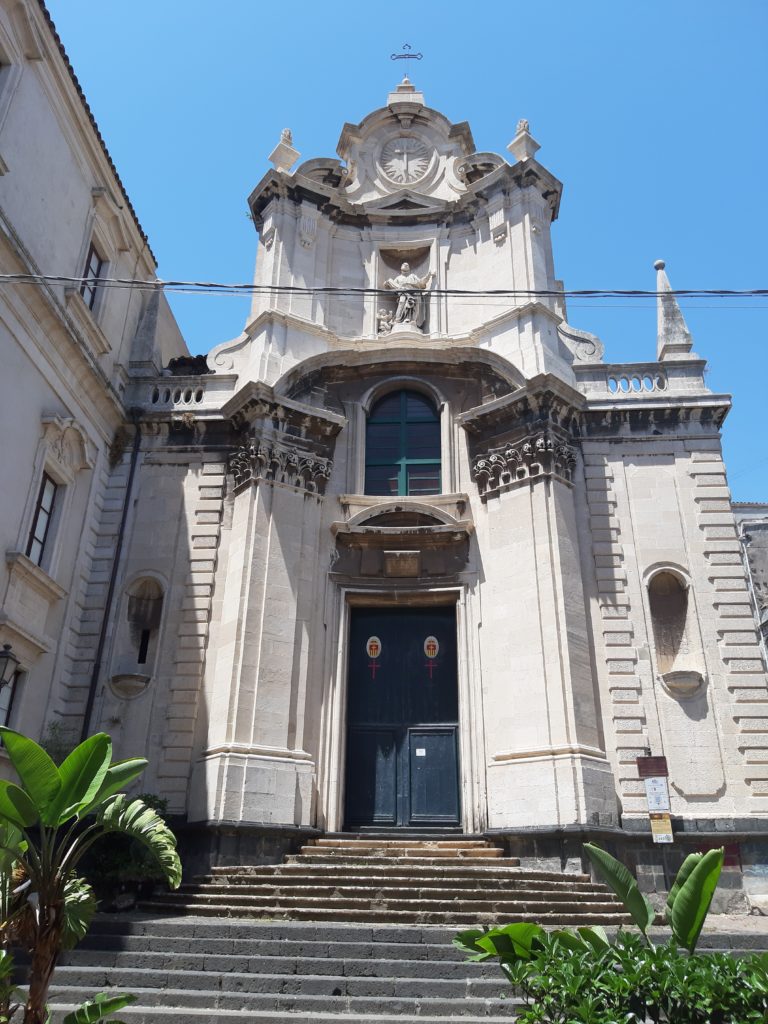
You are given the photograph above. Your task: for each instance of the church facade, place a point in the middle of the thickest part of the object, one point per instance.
(409, 553)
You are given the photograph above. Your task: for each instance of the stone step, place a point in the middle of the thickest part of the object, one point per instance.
(482, 873)
(195, 1015)
(475, 986)
(368, 842)
(327, 857)
(288, 1003)
(338, 964)
(410, 850)
(506, 904)
(388, 891)
(589, 914)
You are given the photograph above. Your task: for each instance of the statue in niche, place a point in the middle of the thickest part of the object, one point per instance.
(410, 301)
(384, 318)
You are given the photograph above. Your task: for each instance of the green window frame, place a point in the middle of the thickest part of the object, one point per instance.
(402, 446)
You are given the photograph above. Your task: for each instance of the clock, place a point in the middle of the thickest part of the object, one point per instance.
(405, 159)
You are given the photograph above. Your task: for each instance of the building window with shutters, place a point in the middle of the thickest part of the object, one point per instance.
(40, 533)
(402, 446)
(94, 270)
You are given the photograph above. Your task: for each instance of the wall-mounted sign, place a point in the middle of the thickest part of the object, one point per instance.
(654, 773)
(652, 767)
(657, 793)
(661, 828)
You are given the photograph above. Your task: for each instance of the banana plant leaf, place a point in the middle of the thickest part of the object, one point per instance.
(693, 898)
(624, 885)
(38, 774)
(96, 1009)
(82, 774)
(133, 818)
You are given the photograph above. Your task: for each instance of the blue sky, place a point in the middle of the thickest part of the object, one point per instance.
(652, 115)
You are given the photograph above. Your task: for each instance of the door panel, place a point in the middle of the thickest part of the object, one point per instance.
(402, 686)
(372, 786)
(434, 783)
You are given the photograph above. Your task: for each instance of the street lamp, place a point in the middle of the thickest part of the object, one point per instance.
(9, 664)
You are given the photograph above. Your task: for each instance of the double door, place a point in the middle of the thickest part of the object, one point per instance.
(402, 719)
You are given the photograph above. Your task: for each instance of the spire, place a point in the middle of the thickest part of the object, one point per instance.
(523, 145)
(673, 339)
(284, 156)
(405, 92)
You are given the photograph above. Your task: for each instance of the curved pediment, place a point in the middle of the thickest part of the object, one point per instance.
(499, 376)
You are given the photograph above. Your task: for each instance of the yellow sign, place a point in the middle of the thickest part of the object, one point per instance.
(661, 828)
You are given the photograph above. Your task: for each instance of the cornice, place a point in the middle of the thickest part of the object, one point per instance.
(330, 199)
(258, 401)
(93, 130)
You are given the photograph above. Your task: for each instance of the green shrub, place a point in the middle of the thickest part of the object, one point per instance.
(579, 977)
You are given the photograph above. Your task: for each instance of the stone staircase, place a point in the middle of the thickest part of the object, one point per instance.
(379, 879)
(352, 928)
(211, 972)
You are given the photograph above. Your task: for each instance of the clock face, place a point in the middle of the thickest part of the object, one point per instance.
(405, 159)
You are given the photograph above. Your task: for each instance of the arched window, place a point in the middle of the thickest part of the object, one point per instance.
(402, 446)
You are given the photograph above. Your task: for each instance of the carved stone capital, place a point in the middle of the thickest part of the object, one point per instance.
(538, 455)
(269, 460)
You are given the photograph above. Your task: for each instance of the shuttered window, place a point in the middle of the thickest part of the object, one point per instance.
(402, 446)
(41, 520)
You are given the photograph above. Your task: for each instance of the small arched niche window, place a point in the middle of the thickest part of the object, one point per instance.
(137, 642)
(402, 445)
(668, 599)
(145, 608)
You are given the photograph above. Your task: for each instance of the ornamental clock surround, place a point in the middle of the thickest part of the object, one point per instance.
(405, 159)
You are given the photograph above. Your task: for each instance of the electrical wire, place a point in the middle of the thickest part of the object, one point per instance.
(217, 287)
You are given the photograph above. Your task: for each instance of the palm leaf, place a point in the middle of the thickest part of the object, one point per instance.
(693, 899)
(82, 774)
(466, 941)
(37, 772)
(133, 818)
(686, 868)
(118, 776)
(595, 936)
(79, 908)
(98, 1008)
(623, 884)
(511, 941)
(12, 846)
(16, 808)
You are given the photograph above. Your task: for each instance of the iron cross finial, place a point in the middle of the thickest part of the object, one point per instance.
(406, 54)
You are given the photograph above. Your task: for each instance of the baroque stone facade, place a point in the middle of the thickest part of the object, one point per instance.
(375, 448)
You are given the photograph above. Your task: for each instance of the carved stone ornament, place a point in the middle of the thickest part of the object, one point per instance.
(273, 461)
(308, 229)
(500, 468)
(586, 347)
(66, 445)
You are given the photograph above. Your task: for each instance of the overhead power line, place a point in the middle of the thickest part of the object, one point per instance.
(249, 288)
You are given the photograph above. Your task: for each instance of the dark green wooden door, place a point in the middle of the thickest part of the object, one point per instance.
(402, 718)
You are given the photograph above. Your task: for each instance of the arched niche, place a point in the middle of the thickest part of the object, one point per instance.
(138, 636)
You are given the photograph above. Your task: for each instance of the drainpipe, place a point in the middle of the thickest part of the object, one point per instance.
(134, 414)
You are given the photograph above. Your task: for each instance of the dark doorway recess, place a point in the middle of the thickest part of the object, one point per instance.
(402, 719)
